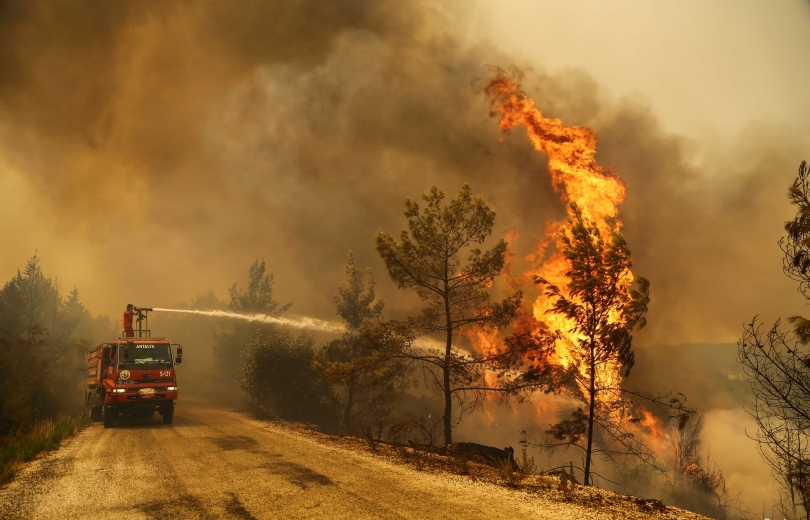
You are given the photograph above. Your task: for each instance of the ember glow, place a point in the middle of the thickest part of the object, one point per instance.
(578, 179)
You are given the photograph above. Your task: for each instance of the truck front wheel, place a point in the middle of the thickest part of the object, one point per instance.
(108, 415)
(168, 414)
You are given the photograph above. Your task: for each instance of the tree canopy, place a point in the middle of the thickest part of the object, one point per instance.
(429, 258)
(363, 365)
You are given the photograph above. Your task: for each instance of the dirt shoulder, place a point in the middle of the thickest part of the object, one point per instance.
(215, 463)
(554, 493)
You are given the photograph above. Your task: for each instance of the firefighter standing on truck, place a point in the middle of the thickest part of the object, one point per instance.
(128, 314)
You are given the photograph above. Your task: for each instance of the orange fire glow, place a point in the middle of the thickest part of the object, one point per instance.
(576, 176)
(652, 429)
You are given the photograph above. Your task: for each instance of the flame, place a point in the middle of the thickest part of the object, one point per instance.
(650, 424)
(651, 427)
(578, 179)
(514, 282)
(571, 153)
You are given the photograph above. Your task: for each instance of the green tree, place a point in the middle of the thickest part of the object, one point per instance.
(428, 259)
(258, 298)
(603, 311)
(776, 364)
(230, 342)
(277, 374)
(796, 246)
(40, 298)
(354, 300)
(363, 365)
(41, 358)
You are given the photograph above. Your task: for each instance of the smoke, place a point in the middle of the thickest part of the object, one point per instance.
(300, 323)
(222, 134)
(155, 149)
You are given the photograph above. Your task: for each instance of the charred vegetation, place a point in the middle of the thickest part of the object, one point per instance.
(775, 362)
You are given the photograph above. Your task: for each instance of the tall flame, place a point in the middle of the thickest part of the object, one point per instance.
(576, 176)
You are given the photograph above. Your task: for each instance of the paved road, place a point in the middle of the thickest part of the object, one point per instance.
(213, 463)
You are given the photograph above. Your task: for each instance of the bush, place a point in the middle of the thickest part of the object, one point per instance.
(277, 374)
(46, 435)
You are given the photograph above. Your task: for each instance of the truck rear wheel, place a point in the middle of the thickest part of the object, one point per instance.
(109, 416)
(93, 412)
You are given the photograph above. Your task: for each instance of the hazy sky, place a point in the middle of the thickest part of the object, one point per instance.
(151, 150)
(708, 69)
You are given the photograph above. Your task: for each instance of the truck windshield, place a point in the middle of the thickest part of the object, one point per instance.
(147, 356)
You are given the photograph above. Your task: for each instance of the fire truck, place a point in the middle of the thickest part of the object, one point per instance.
(132, 376)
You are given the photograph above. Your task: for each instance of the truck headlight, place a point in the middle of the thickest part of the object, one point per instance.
(170, 388)
(119, 390)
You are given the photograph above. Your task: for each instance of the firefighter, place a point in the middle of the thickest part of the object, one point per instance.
(128, 314)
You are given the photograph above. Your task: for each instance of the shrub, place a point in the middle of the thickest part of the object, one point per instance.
(46, 435)
(277, 374)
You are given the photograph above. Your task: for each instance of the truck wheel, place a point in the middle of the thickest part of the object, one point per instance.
(93, 412)
(108, 416)
(168, 415)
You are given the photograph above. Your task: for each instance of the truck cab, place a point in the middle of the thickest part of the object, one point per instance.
(132, 376)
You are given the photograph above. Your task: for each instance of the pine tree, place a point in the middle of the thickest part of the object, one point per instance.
(428, 259)
(603, 311)
(363, 364)
(256, 299)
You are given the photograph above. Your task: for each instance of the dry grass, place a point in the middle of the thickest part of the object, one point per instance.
(519, 475)
(46, 435)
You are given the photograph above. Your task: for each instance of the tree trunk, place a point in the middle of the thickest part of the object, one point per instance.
(448, 395)
(347, 413)
(592, 395)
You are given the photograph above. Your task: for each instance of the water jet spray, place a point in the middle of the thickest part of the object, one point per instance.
(298, 323)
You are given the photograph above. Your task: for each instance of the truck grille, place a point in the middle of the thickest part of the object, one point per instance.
(138, 398)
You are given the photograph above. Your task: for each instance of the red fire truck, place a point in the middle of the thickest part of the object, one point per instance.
(132, 376)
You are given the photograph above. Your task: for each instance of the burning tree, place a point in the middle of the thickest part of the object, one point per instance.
(600, 311)
(695, 482)
(581, 336)
(428, 260)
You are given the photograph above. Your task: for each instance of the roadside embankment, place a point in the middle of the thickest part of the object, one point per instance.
(46, 435)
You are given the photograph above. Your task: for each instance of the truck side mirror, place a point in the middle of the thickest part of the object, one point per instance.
(179, 358)
(108, 361)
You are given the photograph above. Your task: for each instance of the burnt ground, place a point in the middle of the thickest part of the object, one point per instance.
(214, 463)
